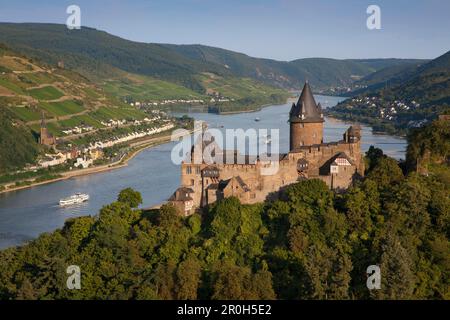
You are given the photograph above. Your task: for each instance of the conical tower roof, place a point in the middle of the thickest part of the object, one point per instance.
(43, 124)
(306, 109)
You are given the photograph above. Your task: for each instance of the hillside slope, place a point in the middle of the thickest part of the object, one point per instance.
(30, 90)
(423, 82)
(17, 144)
(93, 52)
(320, 72)
(99, 55)
(414, 95)
(386, 77)
(430, 84)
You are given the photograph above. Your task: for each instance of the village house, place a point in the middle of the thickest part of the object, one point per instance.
(45, 137)
(83, 162)
(183, 201)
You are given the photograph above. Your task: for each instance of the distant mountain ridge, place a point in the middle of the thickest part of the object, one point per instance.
(320, 72)
(98, 55)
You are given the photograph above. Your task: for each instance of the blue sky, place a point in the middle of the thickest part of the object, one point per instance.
(277, 29)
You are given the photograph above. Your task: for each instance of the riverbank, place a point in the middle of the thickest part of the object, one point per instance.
(378, 127)
(26, 214)
(137, 146)
(247, 111)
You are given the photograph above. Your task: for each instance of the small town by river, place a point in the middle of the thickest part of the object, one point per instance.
(27, 213)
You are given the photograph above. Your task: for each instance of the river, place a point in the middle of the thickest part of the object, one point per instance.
(27, 213)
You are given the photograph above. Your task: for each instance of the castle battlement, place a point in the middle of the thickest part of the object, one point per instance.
(337, 163)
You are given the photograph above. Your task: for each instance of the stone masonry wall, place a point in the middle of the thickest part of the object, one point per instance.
(263, 185)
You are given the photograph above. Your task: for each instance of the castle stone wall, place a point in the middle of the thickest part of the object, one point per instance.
(261, 186)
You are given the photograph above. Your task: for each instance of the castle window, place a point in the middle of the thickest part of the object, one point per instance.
(334, 168)
(189, 170)
(197, 170)
(192, 182)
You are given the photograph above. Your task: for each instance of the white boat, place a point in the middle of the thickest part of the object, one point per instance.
(76, 198)
(257, 119)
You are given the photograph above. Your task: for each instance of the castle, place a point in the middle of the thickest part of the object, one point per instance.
(338, 164)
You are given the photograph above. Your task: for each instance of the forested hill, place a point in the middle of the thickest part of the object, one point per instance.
(98, 54)
(320, 72)
(425, 82)
(400, 98)
(17, 144)
(310, 244)
(430, 84)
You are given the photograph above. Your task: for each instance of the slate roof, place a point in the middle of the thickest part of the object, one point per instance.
(182, 194)
(306, 109)
(224, 183)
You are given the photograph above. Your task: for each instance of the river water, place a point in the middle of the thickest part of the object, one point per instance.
(27, 213)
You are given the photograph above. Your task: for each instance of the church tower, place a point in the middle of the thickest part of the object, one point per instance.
(306, 121)
(46, 138)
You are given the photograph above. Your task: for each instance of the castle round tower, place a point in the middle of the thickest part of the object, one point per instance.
(306, 121)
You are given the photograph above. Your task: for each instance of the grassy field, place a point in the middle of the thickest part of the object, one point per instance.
(107, 113)
(15, 63)
(146, 88)
(7, 83)
(39, 77)
(91, 93)
(62, 108)
(237, 88)
(85, 119)
(26, 114)
(46, 93)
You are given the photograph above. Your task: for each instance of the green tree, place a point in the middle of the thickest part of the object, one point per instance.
(131, 197)
(168, 218)
(373, 156)
(188, 279)
(397, 278)
(165, 280)
(385, 173)
(234, 282)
